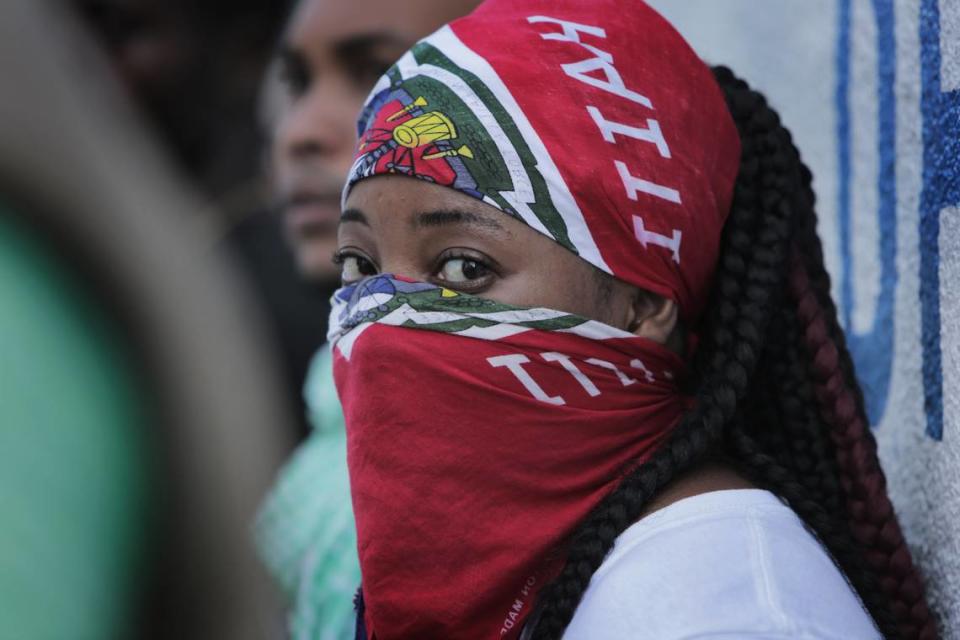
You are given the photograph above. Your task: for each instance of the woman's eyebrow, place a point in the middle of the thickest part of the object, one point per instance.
(354, 215)
(455, 216)
(361, 46)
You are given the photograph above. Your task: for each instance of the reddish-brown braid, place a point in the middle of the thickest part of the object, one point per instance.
(840, 398)
(872, 519)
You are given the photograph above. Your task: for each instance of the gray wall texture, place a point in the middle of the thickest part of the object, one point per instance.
(871, 90)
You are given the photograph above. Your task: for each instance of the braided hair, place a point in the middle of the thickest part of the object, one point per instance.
(774, 391)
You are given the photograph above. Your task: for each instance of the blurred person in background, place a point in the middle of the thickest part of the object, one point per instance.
(330, 55)
(195, 71)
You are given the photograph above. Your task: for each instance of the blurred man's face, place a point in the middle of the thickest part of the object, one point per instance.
(332, 54)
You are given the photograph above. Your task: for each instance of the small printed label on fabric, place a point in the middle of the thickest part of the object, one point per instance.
(516, 609)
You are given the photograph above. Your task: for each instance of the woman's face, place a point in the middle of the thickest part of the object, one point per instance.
(431, 233)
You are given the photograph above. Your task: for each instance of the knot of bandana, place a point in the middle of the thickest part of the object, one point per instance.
(592, 122)
(478, 436)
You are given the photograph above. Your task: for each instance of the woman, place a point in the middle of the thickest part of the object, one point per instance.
(592, 377)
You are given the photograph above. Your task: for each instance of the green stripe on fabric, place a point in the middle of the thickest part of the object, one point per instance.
(543, 205)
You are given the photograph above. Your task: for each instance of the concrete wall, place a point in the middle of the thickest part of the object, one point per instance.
(871, 90)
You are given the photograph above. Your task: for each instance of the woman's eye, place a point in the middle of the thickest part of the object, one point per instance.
(457, 270)
(353, 268)
(294, 73)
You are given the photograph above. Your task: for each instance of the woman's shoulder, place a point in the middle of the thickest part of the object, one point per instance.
(735, 563)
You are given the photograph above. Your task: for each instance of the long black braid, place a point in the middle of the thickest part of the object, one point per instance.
(774, 390)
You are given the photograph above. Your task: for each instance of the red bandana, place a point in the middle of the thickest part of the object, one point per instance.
(475, 447)
(478, 436)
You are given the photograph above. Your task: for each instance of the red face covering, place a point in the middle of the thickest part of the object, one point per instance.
(479, 435)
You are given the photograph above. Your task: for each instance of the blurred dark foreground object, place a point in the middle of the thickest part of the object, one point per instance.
(195, 71)
(140, 419)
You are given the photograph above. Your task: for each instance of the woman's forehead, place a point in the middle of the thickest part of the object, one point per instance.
(421, 204)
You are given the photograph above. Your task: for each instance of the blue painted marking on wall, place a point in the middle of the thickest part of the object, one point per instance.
(941, 188)
(843, 157)
(872, 351)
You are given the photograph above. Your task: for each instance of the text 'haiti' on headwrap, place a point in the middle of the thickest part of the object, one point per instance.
(592, 122)
(480, 434)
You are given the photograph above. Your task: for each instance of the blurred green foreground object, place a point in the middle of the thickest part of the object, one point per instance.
(73, 464)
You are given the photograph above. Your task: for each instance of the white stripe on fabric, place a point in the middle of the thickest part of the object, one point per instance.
(406, 313)
(421, 317)
(597, 331)
(520, 315)
(523, 194)
(447, 42)
(495, 332)
(345, 342)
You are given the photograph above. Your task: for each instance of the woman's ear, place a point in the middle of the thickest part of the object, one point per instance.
(653, 317)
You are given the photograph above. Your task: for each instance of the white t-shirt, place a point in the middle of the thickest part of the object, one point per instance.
(723, 565)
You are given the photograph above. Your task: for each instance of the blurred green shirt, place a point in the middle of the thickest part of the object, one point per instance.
(305, 530)
(73, 472)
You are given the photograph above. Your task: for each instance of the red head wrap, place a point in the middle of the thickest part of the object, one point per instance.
(593, 122)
